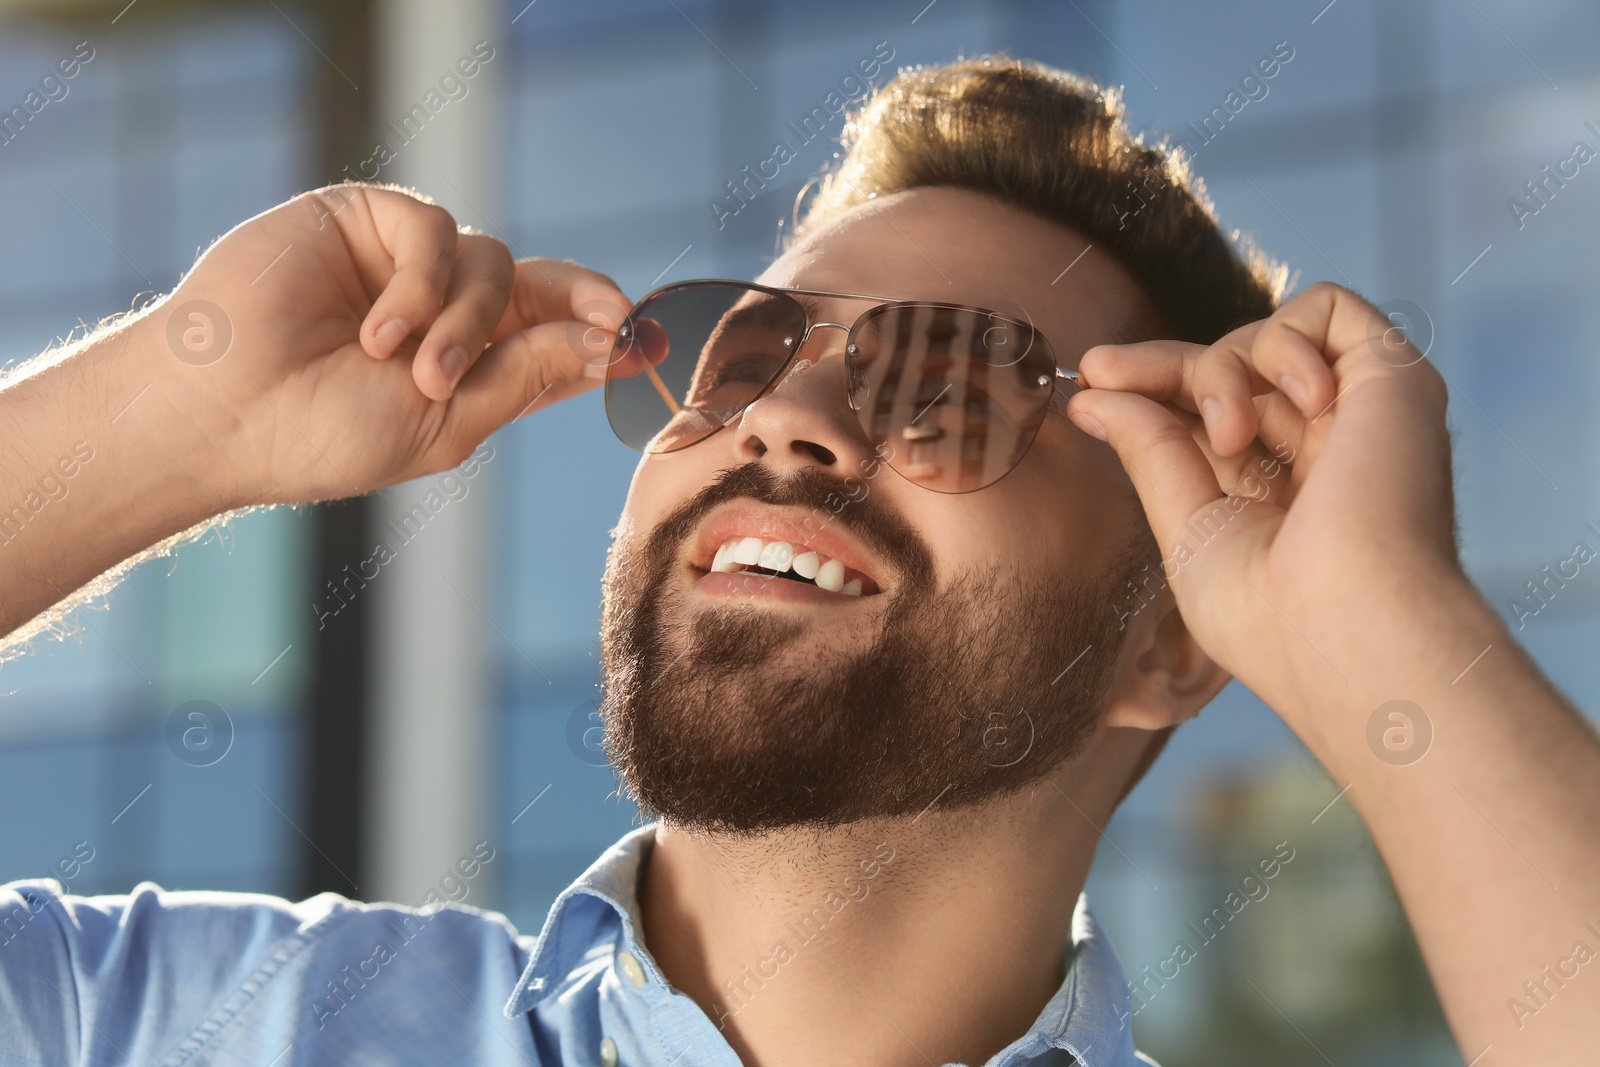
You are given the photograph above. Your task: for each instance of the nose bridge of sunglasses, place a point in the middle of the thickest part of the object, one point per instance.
(811, 350)
(797, 366)
(816, 346)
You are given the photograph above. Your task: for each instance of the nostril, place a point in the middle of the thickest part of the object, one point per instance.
(819, 453)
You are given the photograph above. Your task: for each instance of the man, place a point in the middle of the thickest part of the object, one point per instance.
(878, 788)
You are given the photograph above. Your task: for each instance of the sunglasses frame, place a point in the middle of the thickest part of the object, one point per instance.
(624, 335)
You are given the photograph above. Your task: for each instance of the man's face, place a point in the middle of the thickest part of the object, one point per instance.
(979, 652)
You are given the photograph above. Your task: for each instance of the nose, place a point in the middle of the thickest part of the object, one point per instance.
(806, 419)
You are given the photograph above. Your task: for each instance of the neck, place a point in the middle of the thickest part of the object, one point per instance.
(930, 939)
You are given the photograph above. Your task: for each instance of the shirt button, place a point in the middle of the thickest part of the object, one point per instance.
(630, 968)
(608, 1052)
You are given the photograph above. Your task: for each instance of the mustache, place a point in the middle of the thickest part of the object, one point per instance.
(866, 515)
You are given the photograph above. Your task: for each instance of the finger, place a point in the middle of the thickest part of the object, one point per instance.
(516, 375)
(1286, 352)
(1222, 386)
(475, 302)
(1156, 369)
(1214, 381)
(1256, 472)
(1254, 360)
(1330, 318)
(553, 290)
(1171, 474)
(649, 344)
(1282, 426)
(420, 239)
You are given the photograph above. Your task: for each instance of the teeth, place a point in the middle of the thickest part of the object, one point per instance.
(746, 552)
(738, 553)
(776, 556)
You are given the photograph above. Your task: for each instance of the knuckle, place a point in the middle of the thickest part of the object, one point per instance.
(437, 268)
(1434, 386)
(1225, 362)
(405, 192)
(502, 267)
(1241, 334)
(438, 217)
(500, 251)
(487, 253)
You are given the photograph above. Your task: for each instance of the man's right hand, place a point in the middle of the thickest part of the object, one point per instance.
(275, 373)
(368, 341)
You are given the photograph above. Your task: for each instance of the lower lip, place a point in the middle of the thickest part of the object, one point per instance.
(751, 586)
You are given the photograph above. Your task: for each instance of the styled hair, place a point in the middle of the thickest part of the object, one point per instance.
(1058, 145)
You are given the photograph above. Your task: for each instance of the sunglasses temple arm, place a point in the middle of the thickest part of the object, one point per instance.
(661, 387)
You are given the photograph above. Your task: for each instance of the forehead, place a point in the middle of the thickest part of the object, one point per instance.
(958, 246)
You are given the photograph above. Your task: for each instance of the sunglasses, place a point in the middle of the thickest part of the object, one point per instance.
(950, 396)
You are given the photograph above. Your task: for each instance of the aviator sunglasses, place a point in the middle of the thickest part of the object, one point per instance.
(950, 396)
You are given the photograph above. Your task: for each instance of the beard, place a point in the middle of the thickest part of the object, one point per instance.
(739, 719)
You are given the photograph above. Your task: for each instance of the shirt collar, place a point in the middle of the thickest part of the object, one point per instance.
(1087, 1017)
(611, 884)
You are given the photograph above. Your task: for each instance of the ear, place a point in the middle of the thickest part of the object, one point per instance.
(1163, 677)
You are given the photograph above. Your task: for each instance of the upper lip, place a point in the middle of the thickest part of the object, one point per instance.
(811, 528)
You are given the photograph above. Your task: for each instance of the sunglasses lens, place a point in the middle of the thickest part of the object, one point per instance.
(951, 397)
(691, 358)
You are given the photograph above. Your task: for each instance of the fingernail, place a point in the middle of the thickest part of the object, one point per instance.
(1088, 424)
(453, 361)
(391, 333)
(1294, 389)
(1211, 412)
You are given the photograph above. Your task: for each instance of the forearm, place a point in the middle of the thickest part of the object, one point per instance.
(100, 462)
(1490, 836)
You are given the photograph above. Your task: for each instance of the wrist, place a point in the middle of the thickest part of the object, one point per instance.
(1418, 643)
(180, 427)
(161, 462)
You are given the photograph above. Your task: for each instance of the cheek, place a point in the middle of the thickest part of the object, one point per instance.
(648, 500)
(1067, 503)
(1014, 523)
(660, 484)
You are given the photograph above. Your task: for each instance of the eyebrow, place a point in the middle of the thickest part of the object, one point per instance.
(767, 311)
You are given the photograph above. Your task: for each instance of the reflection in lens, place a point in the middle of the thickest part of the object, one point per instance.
(957, 393)
(725, 343)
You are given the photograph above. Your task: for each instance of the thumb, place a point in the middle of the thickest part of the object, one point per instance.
(1170, 473)
(528, 370)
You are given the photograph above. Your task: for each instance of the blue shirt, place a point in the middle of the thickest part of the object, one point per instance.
(184, 979)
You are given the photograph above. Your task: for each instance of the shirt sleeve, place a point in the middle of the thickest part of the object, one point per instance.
(122, 973)
(184, 978)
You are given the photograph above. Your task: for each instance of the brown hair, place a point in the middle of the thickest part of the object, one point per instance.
(1056, 144)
